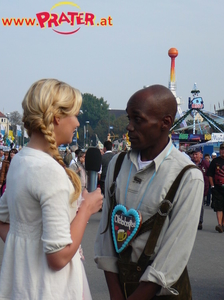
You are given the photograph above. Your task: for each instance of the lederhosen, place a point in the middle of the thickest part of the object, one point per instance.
(131, 272)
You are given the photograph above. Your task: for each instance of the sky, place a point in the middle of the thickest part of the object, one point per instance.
(116, 60)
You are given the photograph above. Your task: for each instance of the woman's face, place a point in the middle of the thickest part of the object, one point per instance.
(64, 129)
(82, 159)
(6, 155)
(12, 154)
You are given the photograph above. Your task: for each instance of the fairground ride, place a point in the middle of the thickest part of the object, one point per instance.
(196, 108)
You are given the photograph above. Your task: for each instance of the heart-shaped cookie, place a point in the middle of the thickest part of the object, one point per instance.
(125, 224)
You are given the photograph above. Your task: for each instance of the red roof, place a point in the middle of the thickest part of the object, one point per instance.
(2, 115)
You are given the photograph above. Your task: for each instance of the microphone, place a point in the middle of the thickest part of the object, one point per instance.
(92, 165)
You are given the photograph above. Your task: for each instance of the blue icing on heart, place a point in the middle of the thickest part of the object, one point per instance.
(124, 225)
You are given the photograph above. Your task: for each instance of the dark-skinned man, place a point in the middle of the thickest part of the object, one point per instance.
(146, 175)
(216, 179)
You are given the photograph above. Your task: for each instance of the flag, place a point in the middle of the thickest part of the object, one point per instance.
(11, 134)
(2, 129)
(19, 132)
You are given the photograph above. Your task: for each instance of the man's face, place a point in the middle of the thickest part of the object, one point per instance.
(1, 153)
(144, 126)
(196, 157)
(221, 152)
(207, 158)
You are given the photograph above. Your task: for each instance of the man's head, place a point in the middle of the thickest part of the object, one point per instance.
(207, 157)
(107, 145)
(1, 152)
(77, 152)
(214, 155)
(197, 155)
(151, 112)
(221, 150)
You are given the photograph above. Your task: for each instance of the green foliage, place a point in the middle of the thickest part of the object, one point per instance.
(93, 110)
(120, 126)
(96, 112)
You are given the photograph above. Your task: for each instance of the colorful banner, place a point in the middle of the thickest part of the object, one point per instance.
(191, 137)
(11, 134)
(19, 131)
(2, 130)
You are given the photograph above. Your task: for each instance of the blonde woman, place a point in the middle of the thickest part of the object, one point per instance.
(39, 223)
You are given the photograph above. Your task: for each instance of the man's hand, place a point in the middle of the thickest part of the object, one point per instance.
(114, 286)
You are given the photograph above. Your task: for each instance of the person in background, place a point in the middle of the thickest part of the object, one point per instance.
(1, 158)
(146, 174)
(39, 221)
(203, 165)
(1, 154)
(74, 156)
(207, 157)
(106, 158)
(73, 148)
(5, 168)
(214, 155)
(79, 168)
(216, 179)
(6, 155)
(208, 198)
(67, 157)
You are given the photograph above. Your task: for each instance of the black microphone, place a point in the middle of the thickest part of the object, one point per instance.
(92, 165)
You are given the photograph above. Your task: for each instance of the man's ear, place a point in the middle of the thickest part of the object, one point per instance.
(56, 120)
(167, 122)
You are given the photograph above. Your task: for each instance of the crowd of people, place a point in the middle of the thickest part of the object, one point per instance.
(152, 198)
(5, 160)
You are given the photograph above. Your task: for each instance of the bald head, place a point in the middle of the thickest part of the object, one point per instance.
(151, 113)
(159, 99)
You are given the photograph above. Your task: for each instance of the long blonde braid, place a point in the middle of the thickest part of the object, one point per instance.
(46, 99)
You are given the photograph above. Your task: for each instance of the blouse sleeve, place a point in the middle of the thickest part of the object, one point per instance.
(54, 197)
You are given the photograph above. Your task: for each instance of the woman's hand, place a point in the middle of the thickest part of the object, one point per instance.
(92, 201)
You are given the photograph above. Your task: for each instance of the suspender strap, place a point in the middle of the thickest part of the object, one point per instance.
(118, 165)
(113, 201)
(164, 210)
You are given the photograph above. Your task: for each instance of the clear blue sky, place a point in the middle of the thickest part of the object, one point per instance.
(115, 61)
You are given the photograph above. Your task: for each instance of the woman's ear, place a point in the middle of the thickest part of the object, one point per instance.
(56, 120)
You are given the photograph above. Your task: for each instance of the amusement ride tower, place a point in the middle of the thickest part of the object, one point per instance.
(173, 52)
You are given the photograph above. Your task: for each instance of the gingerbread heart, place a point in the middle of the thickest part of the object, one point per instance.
(125, 224)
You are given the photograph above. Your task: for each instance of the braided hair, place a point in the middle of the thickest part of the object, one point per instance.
(45, 100)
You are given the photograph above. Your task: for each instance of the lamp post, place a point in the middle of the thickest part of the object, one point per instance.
(109, 109)
(87, 136)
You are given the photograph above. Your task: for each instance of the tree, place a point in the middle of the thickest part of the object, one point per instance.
(15, 118)
(95, 111)
(119, 126)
